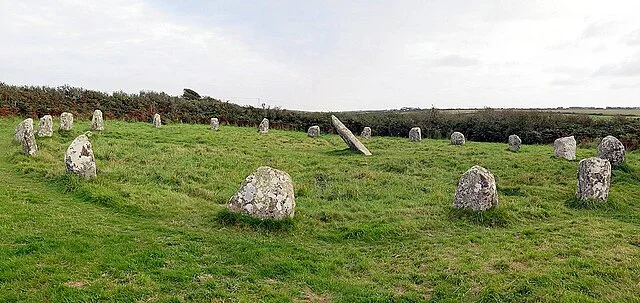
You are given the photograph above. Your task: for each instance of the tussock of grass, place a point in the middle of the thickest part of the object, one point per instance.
(493, 217)
(591, 204)
(227, 218)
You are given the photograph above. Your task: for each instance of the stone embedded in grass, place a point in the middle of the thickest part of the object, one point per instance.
(514, 143)
(263, 128)
(265, 194)
(565, 148)
(29, 146)
(22, 126)
(157, 121)
(66, 121)
(313, 131)
(594, 179)
(215, 124)
(97, 122)
(415, 134)
(612, 149)
(79, 157)
(45, 126)
(366, 133)
(457, 138)
(476, 190)
(348, 137)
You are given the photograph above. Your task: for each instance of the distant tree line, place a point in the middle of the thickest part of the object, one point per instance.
(488, 125)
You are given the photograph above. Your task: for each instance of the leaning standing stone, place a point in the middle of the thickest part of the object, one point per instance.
(215, 125)
(79, 158)
(97, 122)
(157, 122)
(66, 121)
(22, 126)
(348, 137)
(415, 134)
(313, 131)
(612, 149)
(265, 194)
(594, 179)
(263, 128)
(366, 133)
(29, 146)
(45, 126)
(476, 190)
(457, 138)
(514, 143)
(565, 148)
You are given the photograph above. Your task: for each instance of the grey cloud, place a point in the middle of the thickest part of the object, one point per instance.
(566, 82)
(568, 70)
(597, 29)
(625, 69)
(455, 61)
(624, 86)
(632, 39)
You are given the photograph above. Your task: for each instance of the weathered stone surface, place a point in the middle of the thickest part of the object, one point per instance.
(157, 121)
(66, 121)
(79, 157)
(612, 149)
(594, 179)
(565, 148)
(366, 133)
(476, 190)
(314, 131)
(348, 137)
(19, 131)
(457, 138)
(215, 124)
(514, 143)
(265, 194)
(29, 146)
(263, 128)
(45, 126)
(97, 122)
(415, 134)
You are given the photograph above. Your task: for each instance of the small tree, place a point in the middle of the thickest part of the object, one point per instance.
(190, 94)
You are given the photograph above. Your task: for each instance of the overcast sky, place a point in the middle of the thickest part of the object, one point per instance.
(333, 55)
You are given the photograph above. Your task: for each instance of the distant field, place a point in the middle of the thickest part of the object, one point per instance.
(633, 113)
(152, 226)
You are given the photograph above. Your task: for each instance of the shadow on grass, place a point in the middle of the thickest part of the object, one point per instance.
(228, 218)
(591, 204)
(494, 217)
(343, 152)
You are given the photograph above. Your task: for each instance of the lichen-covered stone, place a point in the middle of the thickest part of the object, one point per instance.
(366, 133)
(215, 124)
(29, 146)
(97, 122)
(79, 157)
(457, 138)
(265, 194)
(19, 131)
(313, 131)
(66, 121)
(45, 126)
(157, 121)
(594, 179)
(476, 190)
(415, 134)
(514, 143)
(348, 137)
(565, 148)
(263, 128)
(612, 149)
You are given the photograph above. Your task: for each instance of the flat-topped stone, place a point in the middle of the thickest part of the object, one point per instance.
(45, 126)
(348, 137)
(66, 121)
(594, 179)
(215, 124)
(157, 121)
(265, 194)
(20, 129)
(29, 146)
(97, 122)
(565, 147)
(313, 131)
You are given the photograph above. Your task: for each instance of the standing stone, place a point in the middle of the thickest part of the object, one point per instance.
(66, 121)
(79, 158)
(314, 131)
(366, 133)
(20, 129)
(97, 122)
(45, 126)
(565, 148)
(415, 134)
(348, 137)
(514, 143)
(215, 124)
(594, 179)
(157, 122)
(612, 149)
(476, 190)
(263, 128)
(457, 138)
(265, 194)
(29, 146)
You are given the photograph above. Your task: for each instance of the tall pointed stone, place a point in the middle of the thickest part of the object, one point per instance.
(29, 146)
(263, 128)
(348, 137)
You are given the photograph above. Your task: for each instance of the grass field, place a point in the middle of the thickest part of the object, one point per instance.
(152, 226)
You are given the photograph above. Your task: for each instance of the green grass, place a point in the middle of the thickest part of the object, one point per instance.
(153, 227)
